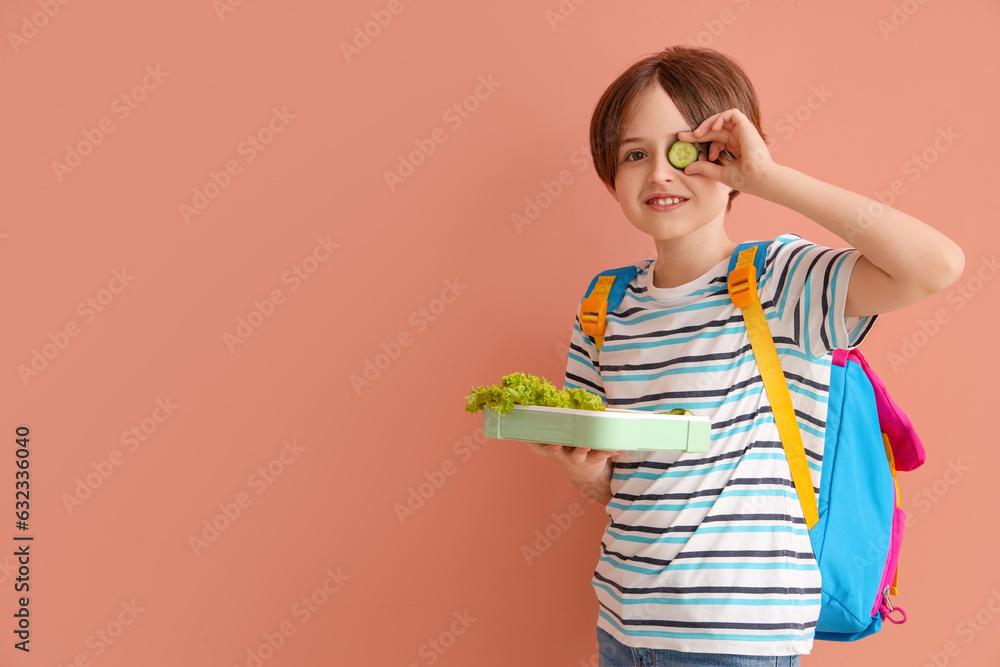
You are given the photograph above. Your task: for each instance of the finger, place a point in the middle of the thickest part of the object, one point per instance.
(715, 140)
(733, 116)
(718, 142)
(704, 168)
(703, 126)
(617, 456)
(734, 147)
(709, 134)
(553, 452)
(726, 120)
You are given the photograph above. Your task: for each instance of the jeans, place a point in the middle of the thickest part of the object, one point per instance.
(615, 654)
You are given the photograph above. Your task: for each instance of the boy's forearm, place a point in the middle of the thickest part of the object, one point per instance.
(900, 245)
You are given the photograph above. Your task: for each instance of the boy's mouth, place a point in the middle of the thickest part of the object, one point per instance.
(665, 203)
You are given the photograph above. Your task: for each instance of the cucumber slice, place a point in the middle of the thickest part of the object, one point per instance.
(682, 153)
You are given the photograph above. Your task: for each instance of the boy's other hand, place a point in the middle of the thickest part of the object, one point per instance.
(567, 457)
(589, 470)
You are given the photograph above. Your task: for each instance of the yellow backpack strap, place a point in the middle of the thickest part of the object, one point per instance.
(603, 295)
(743, 291)
(594, 309)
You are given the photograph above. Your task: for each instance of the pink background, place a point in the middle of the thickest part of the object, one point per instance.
(324, 524)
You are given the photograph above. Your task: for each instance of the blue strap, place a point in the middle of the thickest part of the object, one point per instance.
(623, 277)
(758, 259)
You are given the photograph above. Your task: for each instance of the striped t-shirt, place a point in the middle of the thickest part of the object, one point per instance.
(710, 553)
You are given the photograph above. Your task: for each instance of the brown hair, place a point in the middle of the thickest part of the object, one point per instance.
(701, 82)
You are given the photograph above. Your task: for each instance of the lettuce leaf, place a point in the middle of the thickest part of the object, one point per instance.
(526, 389)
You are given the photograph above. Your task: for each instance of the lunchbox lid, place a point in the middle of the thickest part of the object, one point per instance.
(611, 429)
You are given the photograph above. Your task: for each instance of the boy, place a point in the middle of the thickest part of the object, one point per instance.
(707, 560)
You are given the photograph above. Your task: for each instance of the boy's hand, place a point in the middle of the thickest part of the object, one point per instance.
(577, 462)
(589, 470)
(573, 455)
(730, 130)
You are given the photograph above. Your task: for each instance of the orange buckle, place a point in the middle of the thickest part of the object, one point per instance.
(593, 315)
(743, 285)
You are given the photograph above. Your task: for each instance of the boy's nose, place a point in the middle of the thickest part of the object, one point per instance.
(662, 170)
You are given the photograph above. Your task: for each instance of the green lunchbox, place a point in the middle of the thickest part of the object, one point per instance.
(611, 429)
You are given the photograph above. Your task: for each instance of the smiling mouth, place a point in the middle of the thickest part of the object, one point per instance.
(665, 203)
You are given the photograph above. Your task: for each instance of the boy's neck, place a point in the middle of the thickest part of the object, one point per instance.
(680, 261)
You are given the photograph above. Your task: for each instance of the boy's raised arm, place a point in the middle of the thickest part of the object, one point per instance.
(903, 260)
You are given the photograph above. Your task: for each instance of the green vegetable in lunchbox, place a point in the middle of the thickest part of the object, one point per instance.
(526, 389)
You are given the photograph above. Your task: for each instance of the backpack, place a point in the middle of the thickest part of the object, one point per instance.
(856, 527)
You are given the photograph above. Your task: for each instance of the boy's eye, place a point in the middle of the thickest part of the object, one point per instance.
(702, 150)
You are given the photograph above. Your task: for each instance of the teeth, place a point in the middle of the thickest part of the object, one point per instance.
(667, 201)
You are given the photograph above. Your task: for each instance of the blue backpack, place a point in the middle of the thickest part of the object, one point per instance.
(856, 527)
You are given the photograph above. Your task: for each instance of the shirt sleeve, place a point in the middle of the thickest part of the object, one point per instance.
(806, 285)
(582, 365)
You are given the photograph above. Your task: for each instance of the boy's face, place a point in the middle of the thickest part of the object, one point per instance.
(643, 170)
